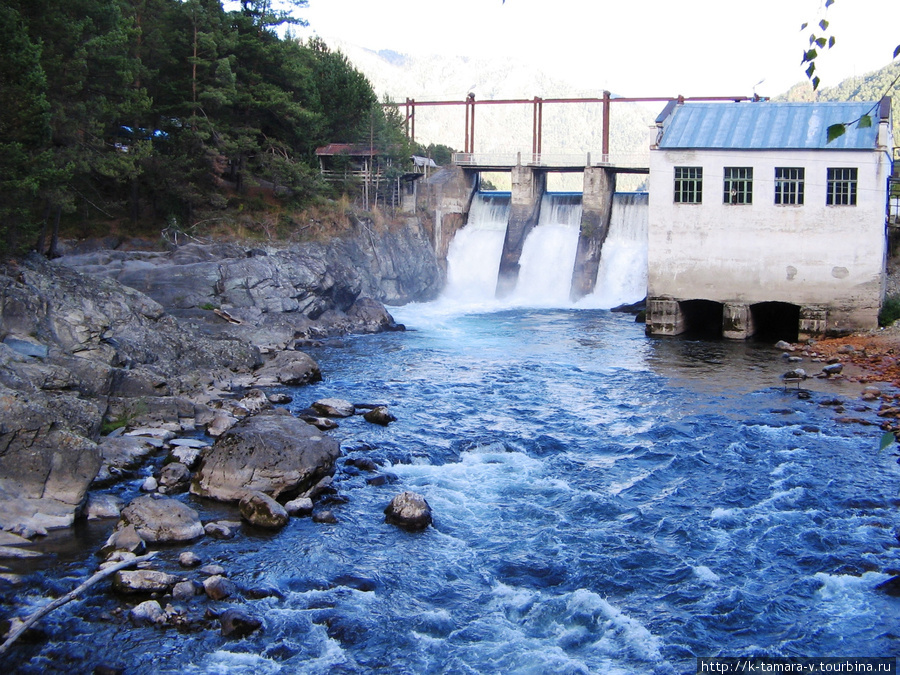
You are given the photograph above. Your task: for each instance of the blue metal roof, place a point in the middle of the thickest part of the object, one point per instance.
(765, 125)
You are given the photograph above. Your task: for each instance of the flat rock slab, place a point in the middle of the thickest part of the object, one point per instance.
(159, 520)
(334, 407)
(272, 452)
(189, 442)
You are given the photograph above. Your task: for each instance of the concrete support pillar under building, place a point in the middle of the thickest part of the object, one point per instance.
(737, 321)
(813, 322)
(528, 188)
(664, 317)
(596, 204)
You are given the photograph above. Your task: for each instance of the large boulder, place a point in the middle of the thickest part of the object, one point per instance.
(45, 468)
(272, 452)
(262, 511)
(76, 351)
(162, 519)
(409, 511)
(289, 368)
(334, 407)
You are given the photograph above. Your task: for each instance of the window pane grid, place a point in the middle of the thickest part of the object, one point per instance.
(738, 185)
(841, 187)
(688, 184)
(789, 183)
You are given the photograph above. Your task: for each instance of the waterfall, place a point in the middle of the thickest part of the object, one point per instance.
(548, 256)
(473, 258)
(622, 277)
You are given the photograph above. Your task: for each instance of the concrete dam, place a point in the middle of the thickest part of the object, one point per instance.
(544, 269)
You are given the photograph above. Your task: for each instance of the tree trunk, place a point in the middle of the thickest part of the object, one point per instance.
(42, 240)
(54, 238)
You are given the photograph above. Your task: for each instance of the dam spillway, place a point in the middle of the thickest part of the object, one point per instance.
(548, 255)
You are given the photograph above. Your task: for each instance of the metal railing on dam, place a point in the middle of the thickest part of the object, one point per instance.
(639, 162)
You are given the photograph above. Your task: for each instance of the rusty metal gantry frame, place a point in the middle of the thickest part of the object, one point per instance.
(538, 113)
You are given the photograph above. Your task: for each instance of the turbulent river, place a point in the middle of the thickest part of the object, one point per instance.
(604, 503)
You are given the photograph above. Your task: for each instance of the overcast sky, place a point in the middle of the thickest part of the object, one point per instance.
(632, 47)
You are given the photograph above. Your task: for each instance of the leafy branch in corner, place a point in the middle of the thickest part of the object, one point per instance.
(825, 41)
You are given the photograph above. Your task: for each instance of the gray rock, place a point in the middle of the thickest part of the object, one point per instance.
(236, 623)
(151, 432)
(289, 368)
(174, 477)
(187, 455)
(220, 423)
(262, 511)
(871, 393)
(302, 506)
(219, 531)
(150, 484)
(103, 506)
(189, 559)
(184, 590)
(833, 369)
(143, 581)
(218, 588)
(272, 452)
(321, 423)
(327, 517)
(147, 613)
(334, 407)
(190, 443)
(409, 510)
(255, 400)
(121, 454)
(27, 347)
(162, 519)
(87, 339)
(212, 570)
(379, 415)
(27, 532)
(320, 488)
(124, 538)
(45, 469)
(16, 552)
(116, 557)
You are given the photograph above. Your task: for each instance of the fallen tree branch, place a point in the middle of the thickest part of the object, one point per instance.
(37, 615)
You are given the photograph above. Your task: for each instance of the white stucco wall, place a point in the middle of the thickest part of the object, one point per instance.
(809, 255)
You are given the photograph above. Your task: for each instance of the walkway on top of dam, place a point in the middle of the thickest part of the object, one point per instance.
(561, 163)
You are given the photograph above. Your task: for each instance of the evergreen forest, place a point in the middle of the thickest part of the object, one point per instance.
(142, 113)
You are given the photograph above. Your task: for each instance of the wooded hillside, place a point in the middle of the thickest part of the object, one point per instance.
(868, 87)
(155, 110)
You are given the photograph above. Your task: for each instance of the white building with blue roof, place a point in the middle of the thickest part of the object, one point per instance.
(759, 224)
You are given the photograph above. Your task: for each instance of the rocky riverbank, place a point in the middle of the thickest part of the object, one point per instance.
(84, 357)
(110, 359)
(273, 295)
(97, 377)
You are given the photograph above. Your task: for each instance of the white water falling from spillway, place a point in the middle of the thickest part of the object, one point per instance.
(622, 278)
(548, 256)
(473, 259)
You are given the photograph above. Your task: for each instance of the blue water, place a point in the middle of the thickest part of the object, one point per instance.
(604, 503)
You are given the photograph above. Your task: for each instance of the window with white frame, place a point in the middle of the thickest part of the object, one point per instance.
(789, 184)
(841, 187)
(688, 184)
(738, 185)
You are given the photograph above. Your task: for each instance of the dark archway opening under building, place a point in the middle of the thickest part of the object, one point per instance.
(774, 321)
(702, 318)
